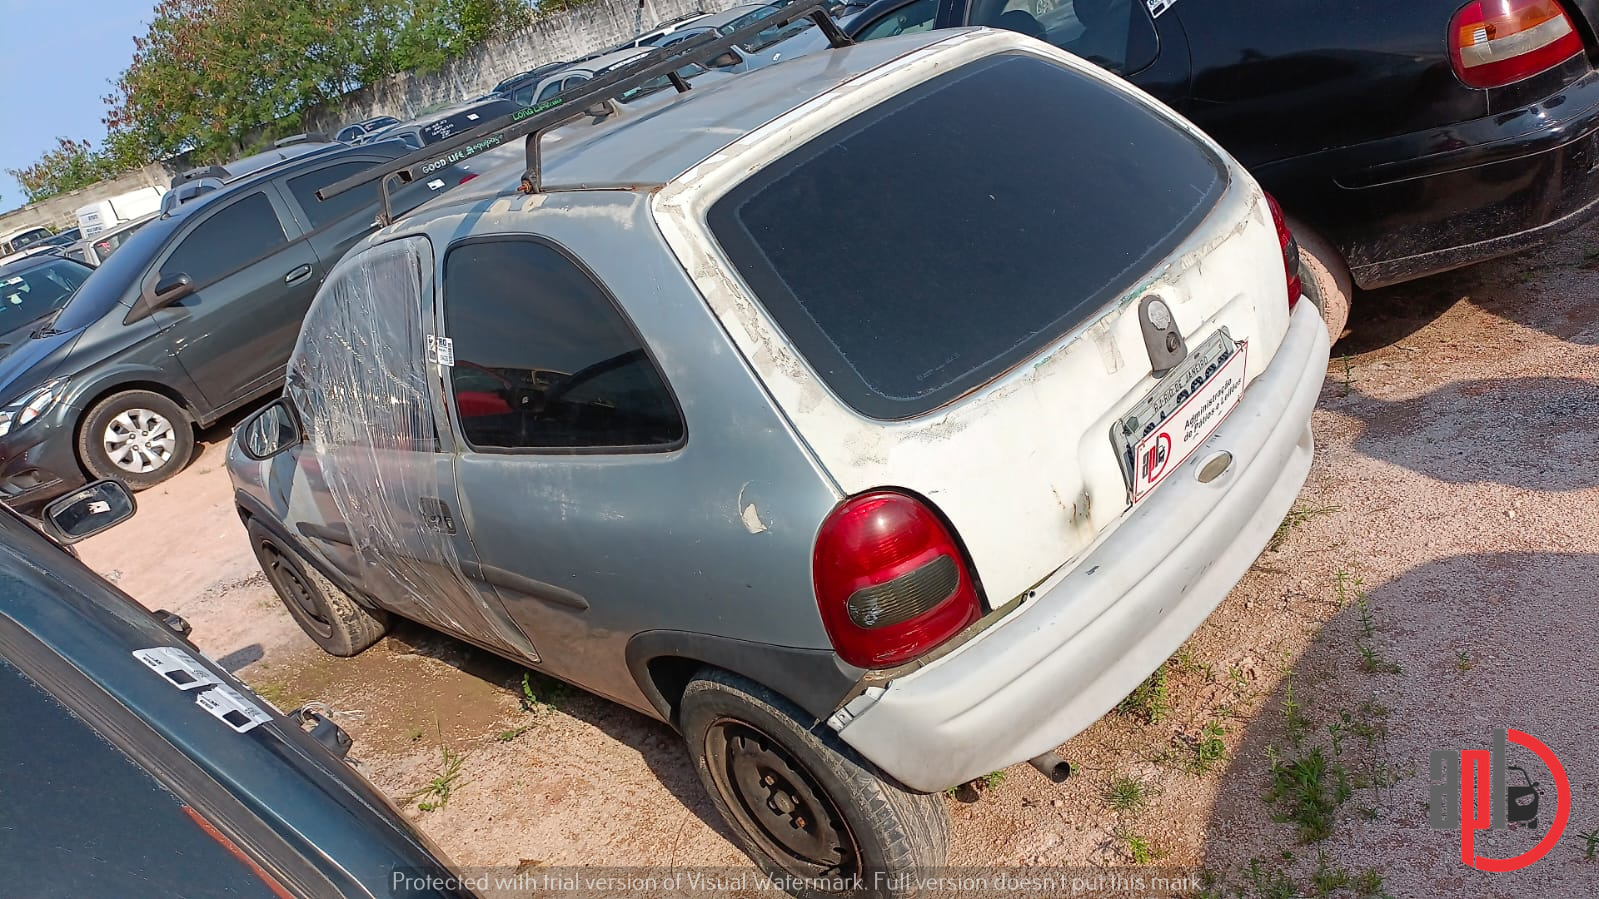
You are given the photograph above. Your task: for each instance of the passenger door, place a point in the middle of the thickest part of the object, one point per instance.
(563, 424)
(374, 484)
(254, 275)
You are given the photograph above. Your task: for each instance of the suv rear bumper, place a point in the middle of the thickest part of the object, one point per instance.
(1096, 630)
(1436, 200)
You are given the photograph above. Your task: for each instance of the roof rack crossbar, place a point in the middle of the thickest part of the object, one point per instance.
(533, 121)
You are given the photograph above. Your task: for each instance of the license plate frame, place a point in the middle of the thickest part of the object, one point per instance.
(1158, 434)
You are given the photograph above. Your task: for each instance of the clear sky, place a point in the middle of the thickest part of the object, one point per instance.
(57, 59)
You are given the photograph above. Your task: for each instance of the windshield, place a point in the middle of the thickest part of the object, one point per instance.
(107, 244)
(769, 36)
(112, 281)
(28, 293)
(909, 268)
(28, 239)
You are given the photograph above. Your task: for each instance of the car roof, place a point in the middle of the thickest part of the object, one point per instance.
(608, 59)
(731, 14)
(23, 263)
(653, 147)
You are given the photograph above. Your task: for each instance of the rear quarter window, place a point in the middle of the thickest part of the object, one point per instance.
(928, 245)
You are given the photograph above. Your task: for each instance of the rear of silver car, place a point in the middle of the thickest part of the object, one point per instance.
(1061, 380)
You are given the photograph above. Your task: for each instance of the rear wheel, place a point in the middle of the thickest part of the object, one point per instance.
(332, 620)
(808, 810)
(1327, 281)
(139, 437)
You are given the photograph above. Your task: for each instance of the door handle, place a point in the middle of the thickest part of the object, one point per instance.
(299, 274)
(437, 514)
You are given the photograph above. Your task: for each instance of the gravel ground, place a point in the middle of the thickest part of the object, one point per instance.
(1437, 581)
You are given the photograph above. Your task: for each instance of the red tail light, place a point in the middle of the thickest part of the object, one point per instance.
(891, 582)
(1498, 42)
(1290, 251)
(465, 178)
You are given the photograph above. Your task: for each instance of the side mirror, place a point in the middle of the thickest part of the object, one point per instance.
(172, 288)
(270, 431)
(86, 512)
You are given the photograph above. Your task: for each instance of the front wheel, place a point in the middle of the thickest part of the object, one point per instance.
(813, 815)
(334, 621)
(138, 437)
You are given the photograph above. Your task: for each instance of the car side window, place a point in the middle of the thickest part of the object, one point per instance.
(543, 357)
(230, 239)
(550, 90)
(908, 19)
(1115, 34)
(323, 212)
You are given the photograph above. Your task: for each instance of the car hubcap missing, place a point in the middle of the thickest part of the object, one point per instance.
(139, 441)
(781, 802)
(295, 590)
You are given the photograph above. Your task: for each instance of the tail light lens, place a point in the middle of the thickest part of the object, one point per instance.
(1498, 42)
(891, 582)
(1290, 251)
(465, 178)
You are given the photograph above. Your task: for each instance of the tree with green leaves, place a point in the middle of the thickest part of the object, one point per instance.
(210, 73)
(71, 165)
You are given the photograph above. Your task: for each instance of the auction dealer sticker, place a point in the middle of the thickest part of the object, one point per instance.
(1195, 420)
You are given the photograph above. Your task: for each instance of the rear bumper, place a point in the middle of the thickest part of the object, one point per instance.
(1433, 201)
(1095, 631)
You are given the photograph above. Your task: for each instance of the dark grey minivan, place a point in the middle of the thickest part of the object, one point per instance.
(192, 318)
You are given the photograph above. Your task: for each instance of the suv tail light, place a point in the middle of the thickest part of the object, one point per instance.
(891, 582)
(1498, 42)
(1290, 251)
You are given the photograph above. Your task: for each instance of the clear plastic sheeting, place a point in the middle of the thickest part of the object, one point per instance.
(359, 379)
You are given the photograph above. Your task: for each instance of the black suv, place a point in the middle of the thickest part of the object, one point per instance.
(192, 318)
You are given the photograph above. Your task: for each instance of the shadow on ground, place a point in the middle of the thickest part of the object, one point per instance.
(1436, 659)
(1453, 434)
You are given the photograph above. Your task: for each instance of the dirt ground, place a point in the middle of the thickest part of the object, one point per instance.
(1437, 581)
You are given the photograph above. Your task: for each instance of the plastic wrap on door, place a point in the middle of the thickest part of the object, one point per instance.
(360, 382)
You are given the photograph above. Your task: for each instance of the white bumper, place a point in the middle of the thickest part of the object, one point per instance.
(1095, 631)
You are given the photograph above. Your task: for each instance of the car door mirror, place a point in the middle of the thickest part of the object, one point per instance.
(270, 431)
(86, 512)
(171, 288)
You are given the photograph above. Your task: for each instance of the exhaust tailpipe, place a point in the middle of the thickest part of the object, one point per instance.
(1052, 766)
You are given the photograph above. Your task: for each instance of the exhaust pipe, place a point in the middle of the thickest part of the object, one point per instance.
(1052, 766)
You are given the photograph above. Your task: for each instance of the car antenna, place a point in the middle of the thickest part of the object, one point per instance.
(531, 123)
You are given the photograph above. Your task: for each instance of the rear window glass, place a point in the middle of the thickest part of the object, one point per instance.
(926, 246)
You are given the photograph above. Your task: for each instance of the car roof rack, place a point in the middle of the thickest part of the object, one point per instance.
(532, 122)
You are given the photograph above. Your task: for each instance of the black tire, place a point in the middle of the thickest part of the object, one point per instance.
(139, 437)
(334, 621)
(1327, 281)
(843, 823)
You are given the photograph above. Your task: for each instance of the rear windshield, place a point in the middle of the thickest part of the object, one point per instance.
(926, 246)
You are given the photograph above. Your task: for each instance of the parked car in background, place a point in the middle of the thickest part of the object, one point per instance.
(434, 127)
(197, 182)
(23, 238)
(861, 531)
(65, 237)
(31, 290)
(1402, 139)
(192, 317)
(103, 215)
(652, 38)
(97, 249)
(139, 767)
(573, 75)
(359, 132)
(762, 50)
(523, 79)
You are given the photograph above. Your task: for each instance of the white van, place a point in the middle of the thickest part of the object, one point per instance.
(98, 216)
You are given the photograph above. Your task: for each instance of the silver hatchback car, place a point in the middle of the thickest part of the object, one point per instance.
(878, 419)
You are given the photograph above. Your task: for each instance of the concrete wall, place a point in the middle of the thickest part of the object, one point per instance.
(579, 32)
(60, 211)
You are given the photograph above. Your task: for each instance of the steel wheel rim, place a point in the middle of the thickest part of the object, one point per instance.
(779, 802)
(295, 590)
(139, 441)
